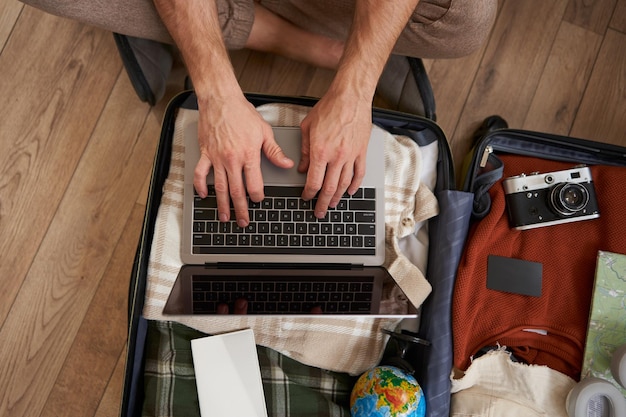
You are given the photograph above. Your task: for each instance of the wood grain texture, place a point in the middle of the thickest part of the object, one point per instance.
(511, 67)
(77, 146)
(592, 15)
(618, 21)
(452, 81)
(73, 256)
(109, 405)
(564, 80)
(601, 115)
(275, 75)
(319, 83)
(54, 98)
(9, 12)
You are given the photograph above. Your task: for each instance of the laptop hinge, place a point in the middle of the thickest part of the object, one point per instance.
(277, 265)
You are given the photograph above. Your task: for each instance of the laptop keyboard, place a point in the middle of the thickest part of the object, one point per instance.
(283, 295)
(283, 223)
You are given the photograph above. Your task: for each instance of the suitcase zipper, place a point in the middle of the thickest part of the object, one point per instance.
(486, 152)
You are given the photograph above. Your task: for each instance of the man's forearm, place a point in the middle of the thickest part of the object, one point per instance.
(195, 28)
(376, 27)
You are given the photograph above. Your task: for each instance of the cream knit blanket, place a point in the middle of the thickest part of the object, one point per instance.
(345, 345)
(494, 385)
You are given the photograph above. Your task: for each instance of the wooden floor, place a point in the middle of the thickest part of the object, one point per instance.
(76, 148)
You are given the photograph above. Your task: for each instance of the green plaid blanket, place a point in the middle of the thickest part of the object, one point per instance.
(291, 388)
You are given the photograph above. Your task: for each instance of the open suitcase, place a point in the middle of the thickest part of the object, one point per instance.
(540, 278)
(445, 235)
(461, 212)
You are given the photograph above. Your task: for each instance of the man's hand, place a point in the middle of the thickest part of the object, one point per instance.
(232, 135)
(335, 135)
(336, 132)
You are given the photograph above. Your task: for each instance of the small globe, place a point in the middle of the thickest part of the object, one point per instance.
(387, 391)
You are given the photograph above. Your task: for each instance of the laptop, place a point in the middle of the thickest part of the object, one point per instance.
(286, 261)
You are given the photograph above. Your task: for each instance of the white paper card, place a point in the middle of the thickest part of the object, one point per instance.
(228, 375)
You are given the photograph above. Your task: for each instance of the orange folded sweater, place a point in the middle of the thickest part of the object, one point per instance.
(484, 317)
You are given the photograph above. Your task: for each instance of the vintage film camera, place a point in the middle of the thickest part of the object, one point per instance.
(538, 200)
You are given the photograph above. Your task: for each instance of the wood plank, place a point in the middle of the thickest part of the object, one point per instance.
(452, 80)
(511, 67)
(564, 80)
(320, 82)
(257, 72)
(592, 15)
(271, 74)
(238, 59)
(9, 12)
(55, 95)
(94, 355)
(111, 400)
(618, 21)
(142, 198)
(601, 113)
(74, 254)
(152, 132)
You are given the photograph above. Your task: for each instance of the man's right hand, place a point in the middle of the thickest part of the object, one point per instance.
(231, 135)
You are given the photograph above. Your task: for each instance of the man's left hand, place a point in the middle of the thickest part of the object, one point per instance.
(335, 135)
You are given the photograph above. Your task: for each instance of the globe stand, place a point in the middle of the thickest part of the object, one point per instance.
(397, 348)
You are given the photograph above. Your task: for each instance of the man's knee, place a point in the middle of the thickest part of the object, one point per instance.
(435, 31)
(471, 23)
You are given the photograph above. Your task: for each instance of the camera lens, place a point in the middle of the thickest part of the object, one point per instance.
(569, 198)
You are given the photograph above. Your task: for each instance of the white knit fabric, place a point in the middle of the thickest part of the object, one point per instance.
(494, 385)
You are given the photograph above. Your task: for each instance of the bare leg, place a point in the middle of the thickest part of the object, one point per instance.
(271, 33)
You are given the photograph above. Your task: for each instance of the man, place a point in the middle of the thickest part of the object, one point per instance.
(353, 37)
